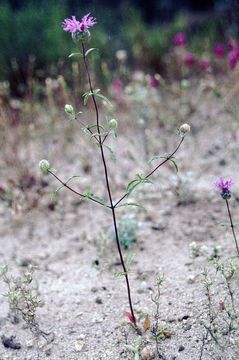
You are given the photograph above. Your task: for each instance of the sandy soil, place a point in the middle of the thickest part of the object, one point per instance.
(83, 300)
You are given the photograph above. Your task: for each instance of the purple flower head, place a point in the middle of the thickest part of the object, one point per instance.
(233, 58)
(225, 187)
(73, 25)
(204, 63)
(219, 51)
(189, 59)
(153, 82)
(117, 87)
(86, 22)
(179, 39)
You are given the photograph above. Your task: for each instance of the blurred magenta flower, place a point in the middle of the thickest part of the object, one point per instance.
(224, 185)
(219, 51)
(153, 82)
(179, 39)
(233, 58)
(117, 87)
(2, 190)
(189, 59)
(73, 25)
(204, 63)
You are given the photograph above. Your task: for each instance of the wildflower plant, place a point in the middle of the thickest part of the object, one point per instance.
(100, 133)
(225, 187)
(23, 299)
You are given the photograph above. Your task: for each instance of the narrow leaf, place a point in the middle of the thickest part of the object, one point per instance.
(103, 98)
(75, 54)
(89, 51)
(113, 157)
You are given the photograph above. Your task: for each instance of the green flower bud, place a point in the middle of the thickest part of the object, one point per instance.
(113, 123)
(184, 129)
(83, 36)
(44, 166)
(69, 109)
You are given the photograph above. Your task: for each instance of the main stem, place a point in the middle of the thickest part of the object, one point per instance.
(112, 207)
(232, 226)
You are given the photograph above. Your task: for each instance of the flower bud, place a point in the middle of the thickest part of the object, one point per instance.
(44, 166)
(113, 123)
(226, 194)
(81, 36)
(69, 109)
(184, 129)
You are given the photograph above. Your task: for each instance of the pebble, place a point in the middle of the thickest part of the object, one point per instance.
(9, 342)
(148, 352)
(181, 348)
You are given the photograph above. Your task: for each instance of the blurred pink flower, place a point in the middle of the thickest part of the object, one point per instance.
(233, 57)
(204, 63)
(2, 190)
(179, 39)
(219, 50)
(153, 82)
(189, 59)
(117, 87)
(73, 25)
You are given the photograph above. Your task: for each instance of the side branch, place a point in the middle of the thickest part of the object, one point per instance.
(155, 169)
(76, 192)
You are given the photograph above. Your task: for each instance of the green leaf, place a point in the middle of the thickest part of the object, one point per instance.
(113, 157)
(132, 204)
(89, 51)
(134, 183)
(103, 98)
(66, 182)
(90, 195)
(166, 156)
(99, 134)
(75, 54)
(173, 161)
(120, 274)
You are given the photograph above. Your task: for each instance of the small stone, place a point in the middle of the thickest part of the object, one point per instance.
(191, 279)
(30, 343)
(148, 353)
(181, 348)
(48, 351)
(98, 300)
(187, 327)
(80, 343)
(94, 289)
(9, 342)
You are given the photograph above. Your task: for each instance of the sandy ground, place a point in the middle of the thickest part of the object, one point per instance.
(83, 300)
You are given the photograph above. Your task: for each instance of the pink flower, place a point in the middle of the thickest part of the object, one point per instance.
(224, 185)
(219, 50)
(86, 22)
(73, 25)
(189, 59)
(153, 82)
(204, 63)
(179, 39)
(233, 58)
(2, 190)
(117, 87)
